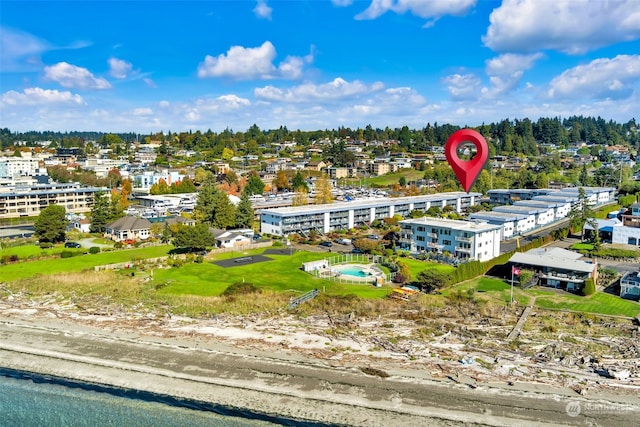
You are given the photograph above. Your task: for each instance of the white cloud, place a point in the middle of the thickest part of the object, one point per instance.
(462, 86)
(39, 96)
(150, 83)
(241, 63)
(505, 72)
(570, 26)
(600, 79)
(309, 92)
(142, 112)
(433, 9)
(244, 63)
(119, 68)
(20, 50)
(341, 3)
(71, 76)
(262, 10)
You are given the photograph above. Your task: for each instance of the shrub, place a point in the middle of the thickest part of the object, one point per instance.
(46, 245)
(399, 278)
(117, 245)
(94, 250)
(199, 259)
(277, 244)
(589, 287)
(240, 288)
(66, 254)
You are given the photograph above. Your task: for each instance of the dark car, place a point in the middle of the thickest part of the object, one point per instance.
(72, 245)
(356, 251)
(326, 244)
(257, 236)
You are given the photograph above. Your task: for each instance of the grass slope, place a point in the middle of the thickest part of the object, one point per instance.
(22, 270)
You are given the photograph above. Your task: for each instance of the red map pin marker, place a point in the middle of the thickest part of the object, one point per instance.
(467, 171)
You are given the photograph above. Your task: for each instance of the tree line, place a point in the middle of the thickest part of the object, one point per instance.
(522, 136)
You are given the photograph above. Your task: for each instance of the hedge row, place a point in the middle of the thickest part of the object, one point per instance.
(473, 269)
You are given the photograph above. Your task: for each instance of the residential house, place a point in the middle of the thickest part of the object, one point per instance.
(557, 268)
(128, 228)
(230, 238)
(630, 286)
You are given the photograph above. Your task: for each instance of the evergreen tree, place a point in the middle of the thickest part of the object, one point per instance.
(244, 212)
(195, 238)
(100, 212)
(224, 212)
(51, 224)
(205, 204)
(299, 182)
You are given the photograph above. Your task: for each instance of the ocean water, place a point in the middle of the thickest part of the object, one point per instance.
(31, 400)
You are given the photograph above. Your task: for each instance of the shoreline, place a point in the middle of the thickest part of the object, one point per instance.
(288, 385)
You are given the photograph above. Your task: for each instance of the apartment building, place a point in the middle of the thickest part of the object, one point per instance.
(29, 201)
(346, 215)
(466, 240)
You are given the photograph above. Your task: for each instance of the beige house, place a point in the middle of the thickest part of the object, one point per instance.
(128, 228)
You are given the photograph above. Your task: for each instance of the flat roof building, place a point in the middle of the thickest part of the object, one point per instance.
(347, 215)
(465, 240)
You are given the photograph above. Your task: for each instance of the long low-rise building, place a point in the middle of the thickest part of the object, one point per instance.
(347, 215)
(595, 195)
(29, 201)
(465, 240)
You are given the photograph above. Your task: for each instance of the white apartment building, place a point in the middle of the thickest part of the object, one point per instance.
(347, 215)
(19, 166)
(145, 180)
(466, 240)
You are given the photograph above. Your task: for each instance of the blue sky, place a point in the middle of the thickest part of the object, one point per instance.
(149, 66)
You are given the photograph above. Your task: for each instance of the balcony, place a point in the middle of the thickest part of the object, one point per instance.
(432, 235)
(465, 250)
(463, 239)
(434, 245)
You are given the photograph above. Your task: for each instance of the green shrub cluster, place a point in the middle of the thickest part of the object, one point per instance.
(627, 200)
(589, 287)
(66, 254)
(94, 250)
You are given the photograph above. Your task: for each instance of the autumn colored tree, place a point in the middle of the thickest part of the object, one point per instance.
(301, 198)
(282, 181)
(323, 191)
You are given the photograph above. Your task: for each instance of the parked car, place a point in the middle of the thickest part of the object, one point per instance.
(373, 237)
(257, 236)
(343, 241)
(326, 244)
(356, 251)
(72, 245)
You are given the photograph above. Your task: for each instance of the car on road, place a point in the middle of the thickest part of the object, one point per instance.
(326, 244)
(343, 241)
(72, 245)
(373, 237)
(257, 236)
(356, 251)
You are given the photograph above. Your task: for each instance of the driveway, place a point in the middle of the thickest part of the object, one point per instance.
(87, 243)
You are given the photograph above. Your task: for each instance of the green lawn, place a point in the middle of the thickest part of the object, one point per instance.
(393, 178)
(282, 274)
(416, 266)
(599, 303)
(23, 270)
(30, 251)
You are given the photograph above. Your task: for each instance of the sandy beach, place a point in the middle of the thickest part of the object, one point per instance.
(279, 367)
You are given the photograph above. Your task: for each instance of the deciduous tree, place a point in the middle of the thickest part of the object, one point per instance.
(51, 224)
(323, 191)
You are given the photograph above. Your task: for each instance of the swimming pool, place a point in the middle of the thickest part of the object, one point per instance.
(353, 271)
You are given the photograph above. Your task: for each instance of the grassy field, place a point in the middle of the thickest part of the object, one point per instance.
(282, 274)
(393, 178)
(22, 270)
(30, 251)
(499, 291)
(599, 303)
